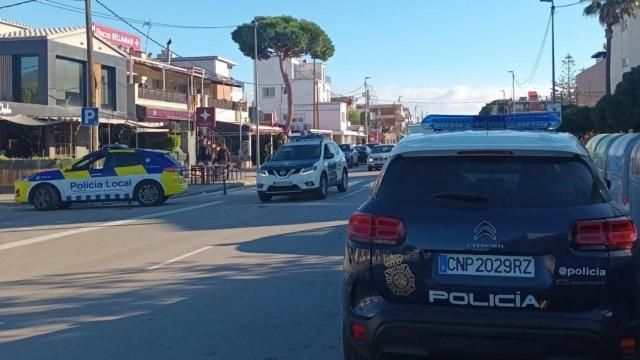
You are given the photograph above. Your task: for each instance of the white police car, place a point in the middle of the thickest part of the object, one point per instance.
(114, 173)
(308, 164)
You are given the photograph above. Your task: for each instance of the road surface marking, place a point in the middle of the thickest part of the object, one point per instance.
(62, 234)
(355, 182)
(181, 257)
(354, 192)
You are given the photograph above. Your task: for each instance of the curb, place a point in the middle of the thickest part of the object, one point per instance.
(229, 186)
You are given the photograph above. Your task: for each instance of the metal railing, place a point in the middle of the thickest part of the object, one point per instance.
(228, 105)
(161, 95)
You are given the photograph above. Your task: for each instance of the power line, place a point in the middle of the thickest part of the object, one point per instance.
(536, 64)
(75, 9)
(17, 4)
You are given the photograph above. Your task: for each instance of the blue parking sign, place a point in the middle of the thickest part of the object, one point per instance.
(90, 116)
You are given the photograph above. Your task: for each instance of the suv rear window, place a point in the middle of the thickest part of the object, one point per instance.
(504, 182)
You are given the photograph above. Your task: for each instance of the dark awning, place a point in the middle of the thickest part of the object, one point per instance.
(27, 120)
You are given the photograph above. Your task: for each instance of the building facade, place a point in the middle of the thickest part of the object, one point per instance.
(43, 87)
(625, 49)
(590, 82)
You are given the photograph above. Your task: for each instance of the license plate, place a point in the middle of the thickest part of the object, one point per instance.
(487, 265)
(282, 183)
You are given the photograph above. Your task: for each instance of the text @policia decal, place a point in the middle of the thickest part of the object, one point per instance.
(89, 185)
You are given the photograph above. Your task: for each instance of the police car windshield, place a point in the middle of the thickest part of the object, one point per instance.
(297, 152)
(496, 182)
(382, 149)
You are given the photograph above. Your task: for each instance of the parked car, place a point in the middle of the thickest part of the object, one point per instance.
(372, 145)
(351, 154)
(363, 153)
(379, 156)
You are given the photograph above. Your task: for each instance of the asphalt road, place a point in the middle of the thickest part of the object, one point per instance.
(203, 277)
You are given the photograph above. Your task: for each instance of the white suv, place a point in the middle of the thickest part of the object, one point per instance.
(308, 164)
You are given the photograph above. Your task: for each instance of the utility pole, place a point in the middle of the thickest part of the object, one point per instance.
(513, 91)
(315, 96)
(255, 91)
(91, 90)
(366, 110)
(553, 49)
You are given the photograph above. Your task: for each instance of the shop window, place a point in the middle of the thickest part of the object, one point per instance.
(70, 82)
(26, 85)
(108, 83)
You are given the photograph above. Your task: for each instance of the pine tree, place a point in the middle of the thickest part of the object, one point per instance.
(567, 84)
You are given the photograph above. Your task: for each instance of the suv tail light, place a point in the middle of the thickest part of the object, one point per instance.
(373, 229)
(609, 234)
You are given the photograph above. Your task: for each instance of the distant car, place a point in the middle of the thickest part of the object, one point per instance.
(308, 164)
(379, 156)
(372, 145)
(363, 153)
(149, 177)
(351, 154)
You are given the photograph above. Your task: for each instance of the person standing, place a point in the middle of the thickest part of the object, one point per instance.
(224, 158)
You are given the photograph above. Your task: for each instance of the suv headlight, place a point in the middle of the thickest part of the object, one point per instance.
(263, 172)
(308, 170)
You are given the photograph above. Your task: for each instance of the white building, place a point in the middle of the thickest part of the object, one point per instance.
(625, 49)
(273, 98)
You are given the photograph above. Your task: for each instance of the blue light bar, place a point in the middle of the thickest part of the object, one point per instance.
(528, 121)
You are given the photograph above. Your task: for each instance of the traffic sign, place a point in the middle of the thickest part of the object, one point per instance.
(90, 116)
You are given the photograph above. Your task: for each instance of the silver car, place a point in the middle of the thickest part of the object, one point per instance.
(379, 156)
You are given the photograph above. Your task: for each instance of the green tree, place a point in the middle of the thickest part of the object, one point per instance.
(567, 82)
(284, 37)
(354, 116)
(611, 13)
(501, 105)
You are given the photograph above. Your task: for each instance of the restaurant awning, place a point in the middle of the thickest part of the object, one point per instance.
(27, 120)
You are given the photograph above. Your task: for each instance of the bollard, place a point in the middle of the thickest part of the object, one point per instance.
(224, 181)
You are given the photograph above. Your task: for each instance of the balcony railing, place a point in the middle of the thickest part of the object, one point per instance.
(228, 105)
(161, 95)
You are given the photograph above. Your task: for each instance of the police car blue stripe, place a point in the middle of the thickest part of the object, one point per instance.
(68, 198)
(78, 198)
(126, 196)
(107, 196)
(117, 196)
(88, 197)
(98, 197)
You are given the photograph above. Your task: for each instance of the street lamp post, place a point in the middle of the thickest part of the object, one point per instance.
(553, 49)
(366, 110)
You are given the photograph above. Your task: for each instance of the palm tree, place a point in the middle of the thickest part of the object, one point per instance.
(611, 13)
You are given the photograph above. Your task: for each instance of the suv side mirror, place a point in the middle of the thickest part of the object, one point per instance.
(329, 156)
(608, 183)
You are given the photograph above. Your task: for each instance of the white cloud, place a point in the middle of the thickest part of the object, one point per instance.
(459, 99)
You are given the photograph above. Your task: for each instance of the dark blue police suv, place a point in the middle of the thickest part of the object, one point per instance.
(498, 244)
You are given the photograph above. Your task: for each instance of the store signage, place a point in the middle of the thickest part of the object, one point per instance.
(117, 37)
(5, 109)
(206, 117)
(166, 114)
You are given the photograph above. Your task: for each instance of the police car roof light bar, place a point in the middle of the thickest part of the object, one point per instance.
(114, 146)
(306, 138)
(529, 121)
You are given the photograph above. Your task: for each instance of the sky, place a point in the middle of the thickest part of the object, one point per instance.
(439, 56)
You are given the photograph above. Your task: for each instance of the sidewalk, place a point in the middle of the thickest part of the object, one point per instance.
(249, 179)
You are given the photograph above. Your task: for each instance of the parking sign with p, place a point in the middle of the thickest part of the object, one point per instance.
(90, 116)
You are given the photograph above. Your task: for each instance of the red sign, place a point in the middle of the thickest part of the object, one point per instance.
(117, 37)
(206, 117)
(166, 114)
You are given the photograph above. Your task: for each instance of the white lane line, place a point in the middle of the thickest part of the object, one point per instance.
(355, 182)
(353, 193)
(181, 257)
(62, 234)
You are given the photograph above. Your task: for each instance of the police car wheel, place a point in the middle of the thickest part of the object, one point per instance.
(149, 193)
(323, 189)
(45, 198)
(264, 197)
(344, 183)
